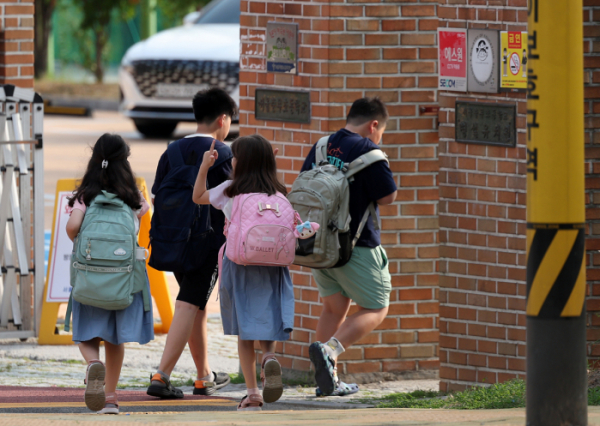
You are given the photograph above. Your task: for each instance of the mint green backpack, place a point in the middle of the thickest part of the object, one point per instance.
(107, 266)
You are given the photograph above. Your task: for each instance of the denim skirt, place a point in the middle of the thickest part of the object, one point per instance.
(131, 324)
(257, 302)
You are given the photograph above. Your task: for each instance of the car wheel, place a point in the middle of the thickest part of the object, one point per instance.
(155, 128)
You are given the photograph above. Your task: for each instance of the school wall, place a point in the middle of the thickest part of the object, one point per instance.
(482, 229)
(348, 50)
(16, 42)
(482, 221)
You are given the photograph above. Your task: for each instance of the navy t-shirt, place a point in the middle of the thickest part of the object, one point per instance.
(192, 149)
(369, 185)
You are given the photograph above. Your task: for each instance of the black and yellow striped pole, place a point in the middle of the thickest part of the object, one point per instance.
(556, 283)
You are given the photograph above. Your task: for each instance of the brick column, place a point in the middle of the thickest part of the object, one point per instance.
(349, 50)
(482, 229)
(16, 42)
(591, 48)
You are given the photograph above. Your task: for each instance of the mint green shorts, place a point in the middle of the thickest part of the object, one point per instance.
(365, 279)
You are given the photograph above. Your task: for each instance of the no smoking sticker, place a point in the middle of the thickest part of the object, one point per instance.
(515, 63)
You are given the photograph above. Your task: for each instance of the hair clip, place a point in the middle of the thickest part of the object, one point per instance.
(104, 164)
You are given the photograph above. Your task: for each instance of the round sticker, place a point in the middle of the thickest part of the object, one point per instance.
(482, 59)
(515, 63)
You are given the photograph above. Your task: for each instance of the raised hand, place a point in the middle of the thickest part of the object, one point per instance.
(210, 156)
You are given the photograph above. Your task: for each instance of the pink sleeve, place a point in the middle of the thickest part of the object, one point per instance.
(145, 207)
(79, 206)
(217, 197)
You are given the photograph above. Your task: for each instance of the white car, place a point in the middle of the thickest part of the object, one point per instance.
(159, 76)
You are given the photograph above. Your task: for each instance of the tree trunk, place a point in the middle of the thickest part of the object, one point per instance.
(101, 39)
(43, 27)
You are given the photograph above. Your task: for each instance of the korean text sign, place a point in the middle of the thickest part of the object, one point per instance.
(452, 57)
(513, 66)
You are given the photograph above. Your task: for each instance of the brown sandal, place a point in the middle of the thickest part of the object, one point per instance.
(94, 396)
(252, 402)
(270, 376)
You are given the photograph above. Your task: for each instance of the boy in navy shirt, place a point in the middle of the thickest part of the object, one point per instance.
(213, 109)
(365, 279)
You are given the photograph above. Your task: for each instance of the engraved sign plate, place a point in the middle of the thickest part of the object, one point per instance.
(486, 123)
(282, 47)
(282, 105)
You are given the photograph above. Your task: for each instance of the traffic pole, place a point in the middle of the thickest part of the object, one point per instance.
(556, 279)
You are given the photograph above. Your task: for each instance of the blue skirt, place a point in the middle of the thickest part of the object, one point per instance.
(257, 302)
(131, 324)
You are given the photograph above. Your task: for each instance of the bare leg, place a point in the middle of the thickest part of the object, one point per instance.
(267, 346)
(360, 324)
(90, 349)
(198, 343)
(114, 362)
(248, 362)
(335, 309)
(179, 334)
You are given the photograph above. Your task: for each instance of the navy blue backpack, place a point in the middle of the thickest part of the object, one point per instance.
(181, 234)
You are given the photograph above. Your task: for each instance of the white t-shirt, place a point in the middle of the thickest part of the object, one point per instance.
(219, 200)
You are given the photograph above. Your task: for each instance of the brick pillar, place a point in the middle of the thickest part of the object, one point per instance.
(591, 48)
(16, 42)
(348, 50)
(482, 229)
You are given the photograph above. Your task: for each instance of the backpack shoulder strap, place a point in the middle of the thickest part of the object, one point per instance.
(373, 213)
(68, 314)
(175, 156)
(365, 161)
(321, 150)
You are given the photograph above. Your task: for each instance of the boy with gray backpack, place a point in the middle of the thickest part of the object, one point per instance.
(343, 180)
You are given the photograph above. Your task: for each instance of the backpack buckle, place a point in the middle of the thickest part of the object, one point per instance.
(274, 208)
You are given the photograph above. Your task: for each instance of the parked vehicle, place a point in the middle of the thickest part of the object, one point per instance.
(159, 76)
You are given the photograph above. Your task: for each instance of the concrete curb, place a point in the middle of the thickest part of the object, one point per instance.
(320, 404)
(93, 104)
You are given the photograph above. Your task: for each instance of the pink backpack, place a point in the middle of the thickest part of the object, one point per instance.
(261, 230)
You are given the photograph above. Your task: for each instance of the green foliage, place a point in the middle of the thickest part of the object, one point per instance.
(175, 10)
(501, 395)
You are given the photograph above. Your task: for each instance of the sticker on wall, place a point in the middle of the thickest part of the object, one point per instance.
(482, 74)
(513, 66)
(452, 57)
(282, 47)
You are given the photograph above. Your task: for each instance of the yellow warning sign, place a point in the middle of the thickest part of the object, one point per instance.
(513, 64)
(56, 290)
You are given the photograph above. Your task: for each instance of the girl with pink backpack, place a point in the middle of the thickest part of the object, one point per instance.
(256, 292)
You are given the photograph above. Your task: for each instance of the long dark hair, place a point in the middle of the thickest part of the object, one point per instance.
(255, 168)
(117, 177)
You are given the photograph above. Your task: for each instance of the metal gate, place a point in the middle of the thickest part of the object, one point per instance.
(21, 212)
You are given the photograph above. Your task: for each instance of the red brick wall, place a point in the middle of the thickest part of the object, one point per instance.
(591, 48)
(349, 50)
(482, 229)
(16, 42)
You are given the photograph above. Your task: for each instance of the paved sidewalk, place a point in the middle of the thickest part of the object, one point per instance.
(513, 417)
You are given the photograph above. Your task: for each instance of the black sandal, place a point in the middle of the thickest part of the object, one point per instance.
(161, 387)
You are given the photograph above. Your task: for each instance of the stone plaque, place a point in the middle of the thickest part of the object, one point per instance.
(482, 48)
(282, 105)
(486, 123)
(282, 47)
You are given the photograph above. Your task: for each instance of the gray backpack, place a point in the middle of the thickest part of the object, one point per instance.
(322, 195)
(107, 266)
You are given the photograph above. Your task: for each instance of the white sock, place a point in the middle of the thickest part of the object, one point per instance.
(334, 348)
(253, 391)
(211, 377)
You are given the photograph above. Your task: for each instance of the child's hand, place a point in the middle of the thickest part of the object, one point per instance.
(210, 156)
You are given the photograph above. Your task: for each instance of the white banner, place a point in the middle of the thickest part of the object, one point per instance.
(59, 287)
